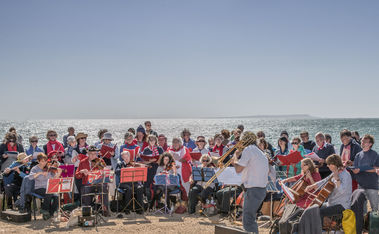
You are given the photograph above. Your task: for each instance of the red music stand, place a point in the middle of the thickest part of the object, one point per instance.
(132, 175)
(58, 186)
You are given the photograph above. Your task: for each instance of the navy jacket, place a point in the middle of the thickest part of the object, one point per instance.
(354, 149)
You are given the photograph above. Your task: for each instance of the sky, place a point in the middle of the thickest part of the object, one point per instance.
(188, 59)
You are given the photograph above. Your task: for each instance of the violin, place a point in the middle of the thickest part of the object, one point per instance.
(98, 164)
(51, 166)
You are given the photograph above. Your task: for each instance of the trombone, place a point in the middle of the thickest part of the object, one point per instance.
(248, 139)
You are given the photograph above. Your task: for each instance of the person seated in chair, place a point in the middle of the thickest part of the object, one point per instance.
(41, 173)
(124, 162)
(198, 190)
(13, 176)
(339, 199)
(166, 166)
(92, 164)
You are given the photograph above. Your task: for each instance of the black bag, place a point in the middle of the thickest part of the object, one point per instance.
(15, 216)
(290, 220)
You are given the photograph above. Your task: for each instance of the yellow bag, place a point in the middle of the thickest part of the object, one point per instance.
(348, 222)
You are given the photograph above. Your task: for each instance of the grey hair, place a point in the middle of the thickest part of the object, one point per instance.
(177, 139)
(128, 134)
(320, 134)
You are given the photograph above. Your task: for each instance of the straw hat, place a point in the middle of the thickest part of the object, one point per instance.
(81, 135)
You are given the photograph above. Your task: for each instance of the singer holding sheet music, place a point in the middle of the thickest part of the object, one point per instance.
(368, 180)
(253, 165)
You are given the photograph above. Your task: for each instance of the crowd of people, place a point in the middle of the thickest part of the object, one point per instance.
(355, 166)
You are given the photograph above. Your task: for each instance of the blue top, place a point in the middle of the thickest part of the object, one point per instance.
(190, 144)
(342, 194)
(31, 151)
(367, 180)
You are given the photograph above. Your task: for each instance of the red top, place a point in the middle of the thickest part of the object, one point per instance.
(305, 201)
(186, 167)
(84, 164)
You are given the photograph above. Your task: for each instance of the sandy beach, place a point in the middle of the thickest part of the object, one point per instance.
(149, 223)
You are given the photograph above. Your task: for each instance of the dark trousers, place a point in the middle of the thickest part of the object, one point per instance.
(50, 201)
(138, 193)
(11, 191)
(159, 190)
(324, 174)
(223, 197)
(198, 192)
(89, 190)
(151, 171)
(78, 184)
(330, 211)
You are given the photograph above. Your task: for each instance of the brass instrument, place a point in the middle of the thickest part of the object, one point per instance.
(247, 139)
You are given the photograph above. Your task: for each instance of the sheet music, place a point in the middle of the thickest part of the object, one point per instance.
(66, 184)
(288, 192)
(229, 177)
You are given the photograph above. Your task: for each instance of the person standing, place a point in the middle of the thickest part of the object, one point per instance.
(305, 142)
(368, 180)
(71, 132)
(323, 150)
(52, 143)
(253, 165)
(349, 148)
(19, 137)
(150, 131)
(187, 141)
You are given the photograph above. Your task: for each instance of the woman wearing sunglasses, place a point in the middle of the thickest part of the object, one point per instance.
(9, 145)
(197, 190)
(295, 169)
(52, 143)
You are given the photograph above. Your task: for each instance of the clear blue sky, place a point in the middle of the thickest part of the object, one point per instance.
(127, 59)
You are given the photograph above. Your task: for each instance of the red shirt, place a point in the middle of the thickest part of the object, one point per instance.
(84, 164)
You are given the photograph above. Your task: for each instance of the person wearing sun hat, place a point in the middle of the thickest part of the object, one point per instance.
(201, 143)
(13, 176)
(86, 166)
(110, 157)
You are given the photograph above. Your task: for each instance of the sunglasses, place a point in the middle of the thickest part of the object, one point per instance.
(82, 138)
(34, 141)
(294, 143)
(200, 141)
(12, 141)
(205, 161)
(53, 135)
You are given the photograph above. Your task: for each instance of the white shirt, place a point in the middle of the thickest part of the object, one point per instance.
(255, 173)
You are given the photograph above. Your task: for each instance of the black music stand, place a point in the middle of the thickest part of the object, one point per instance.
(102, 180)
(166, 180)
(133, 175)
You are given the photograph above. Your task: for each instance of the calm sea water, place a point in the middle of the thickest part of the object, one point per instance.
(206, 127)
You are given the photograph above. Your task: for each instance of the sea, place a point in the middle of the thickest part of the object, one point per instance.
(206, 127)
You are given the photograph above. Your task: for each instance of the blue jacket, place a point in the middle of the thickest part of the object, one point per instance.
(31, 151)
(190, 144)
